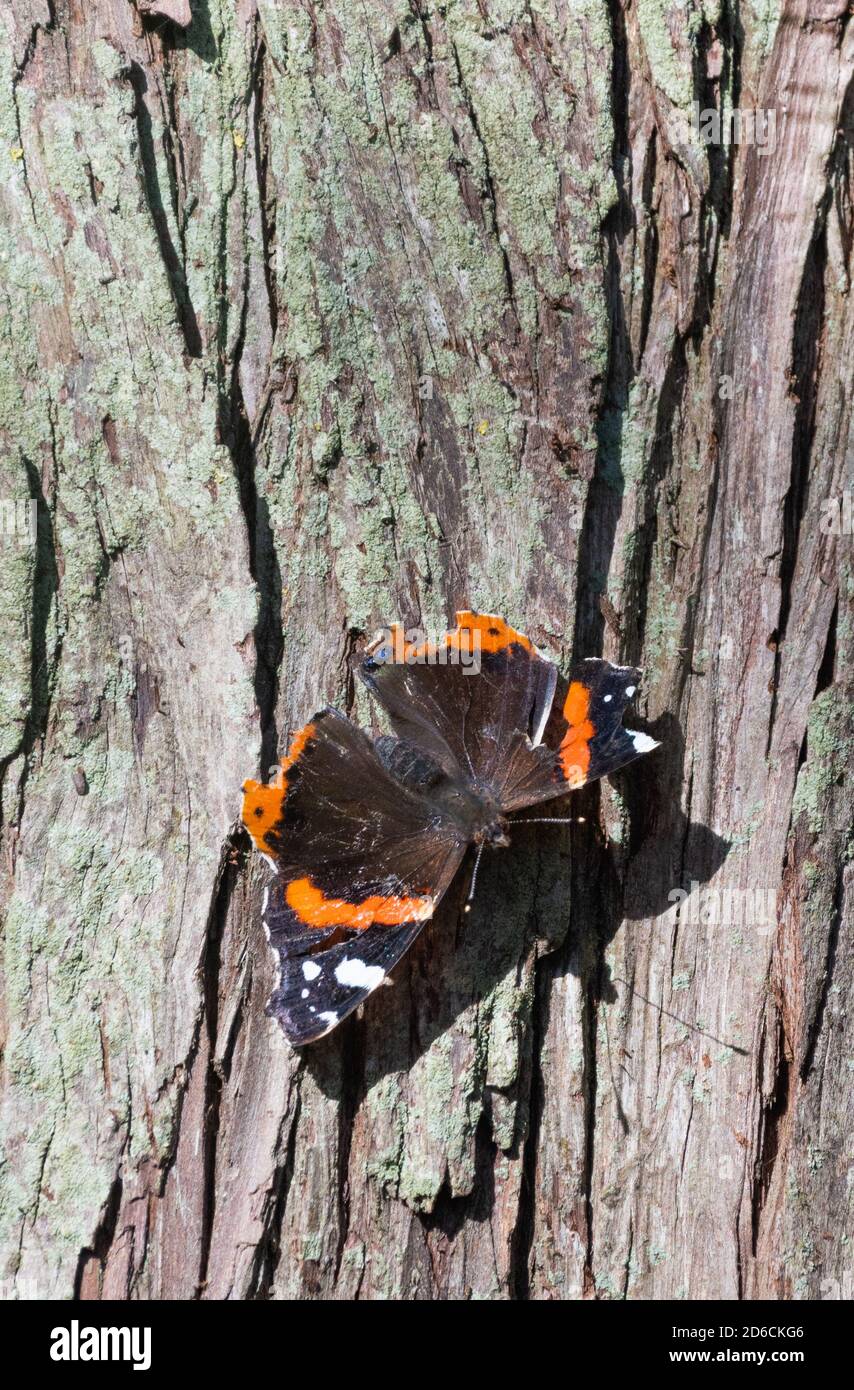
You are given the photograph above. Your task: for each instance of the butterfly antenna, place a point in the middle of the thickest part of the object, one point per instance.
(473, 885)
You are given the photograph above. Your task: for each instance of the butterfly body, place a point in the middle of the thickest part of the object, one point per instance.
(365, 835)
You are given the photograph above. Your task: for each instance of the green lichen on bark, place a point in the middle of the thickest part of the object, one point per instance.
(829, 748)
(96, 391)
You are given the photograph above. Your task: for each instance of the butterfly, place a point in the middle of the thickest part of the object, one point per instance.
(366, 834)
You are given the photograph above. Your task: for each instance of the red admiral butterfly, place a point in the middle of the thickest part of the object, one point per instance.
(365, 835)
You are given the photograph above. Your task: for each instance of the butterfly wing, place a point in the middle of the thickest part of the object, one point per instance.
(588, 734)
(320, 980)
(465, 699)
(584, 738)
(493, 720)
(361, 861)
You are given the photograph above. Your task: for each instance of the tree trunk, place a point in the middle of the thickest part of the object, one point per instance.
(317, 315)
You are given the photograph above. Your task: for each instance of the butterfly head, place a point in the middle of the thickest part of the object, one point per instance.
(494, 834)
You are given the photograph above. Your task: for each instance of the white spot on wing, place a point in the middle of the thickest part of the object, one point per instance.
(330, 1019)
(304, 994)
(630, 690)
(357, 974)
(607, 699)
(310, 969)
(642, 742)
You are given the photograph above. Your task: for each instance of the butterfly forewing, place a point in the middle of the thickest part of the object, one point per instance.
(361, 862)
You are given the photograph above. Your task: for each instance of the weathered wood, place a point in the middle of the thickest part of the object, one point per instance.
(318, 315)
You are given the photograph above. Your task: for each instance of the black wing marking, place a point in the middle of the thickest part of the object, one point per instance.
(586, 730)
(322, 979)
(584, 739)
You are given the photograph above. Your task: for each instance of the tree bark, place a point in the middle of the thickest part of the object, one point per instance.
(318, 315)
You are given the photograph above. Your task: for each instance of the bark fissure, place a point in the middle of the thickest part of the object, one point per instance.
(216, 1076)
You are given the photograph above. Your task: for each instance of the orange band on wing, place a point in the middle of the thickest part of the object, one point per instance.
(574, 752)
(474, 632)
(316, 910)
(262, 804)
